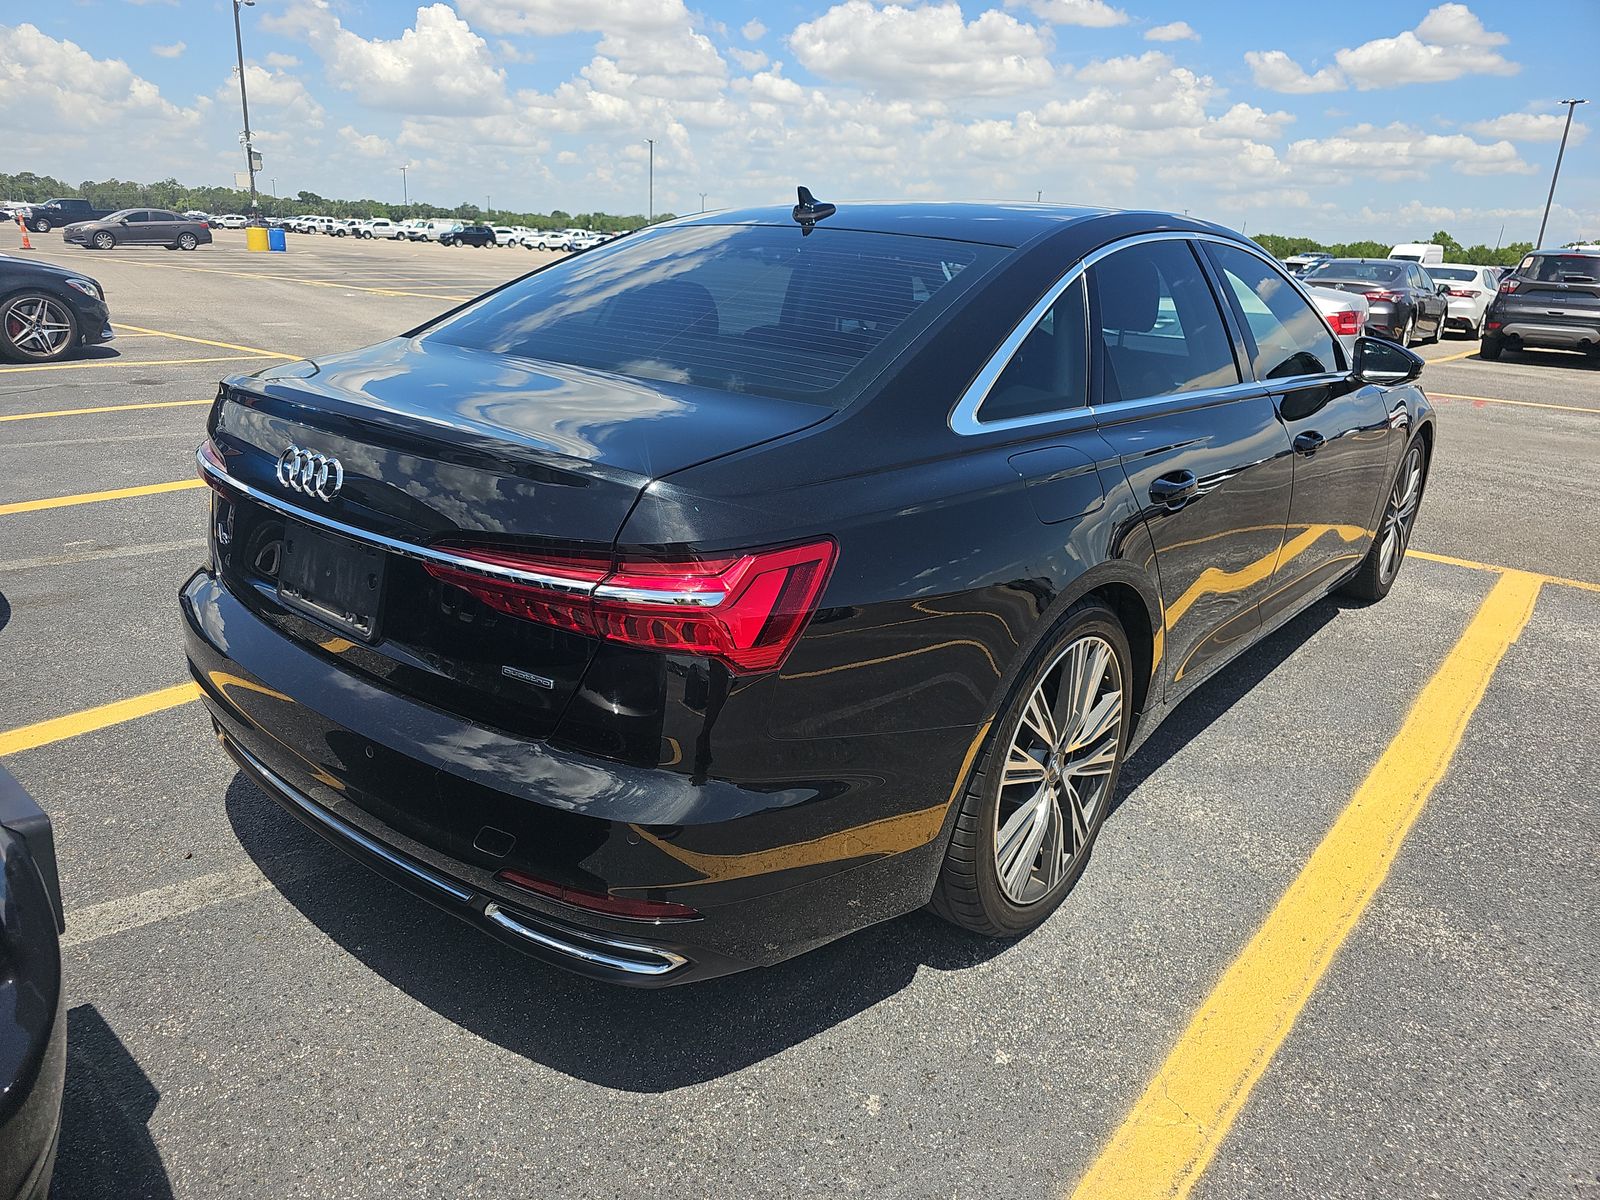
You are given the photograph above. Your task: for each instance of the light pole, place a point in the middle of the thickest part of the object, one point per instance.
(244, 103)
(650, 217)
(1566, 129)
(405, 196)
(703, 201)
(486, 205)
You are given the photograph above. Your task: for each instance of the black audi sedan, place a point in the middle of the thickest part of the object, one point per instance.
(47, 312)
(691, 602)
(33, 1021)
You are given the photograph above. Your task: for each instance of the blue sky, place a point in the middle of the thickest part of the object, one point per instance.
(1386, 119)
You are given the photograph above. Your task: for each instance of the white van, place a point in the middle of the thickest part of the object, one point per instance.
(1426, 253)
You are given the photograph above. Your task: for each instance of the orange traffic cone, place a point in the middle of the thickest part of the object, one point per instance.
(26, 244)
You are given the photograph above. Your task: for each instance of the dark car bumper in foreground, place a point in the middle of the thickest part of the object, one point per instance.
(401, 786)
(33, 1025)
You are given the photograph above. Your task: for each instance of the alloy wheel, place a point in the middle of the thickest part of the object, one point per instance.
(37, 326)
(1399, 515)
(1057, 772)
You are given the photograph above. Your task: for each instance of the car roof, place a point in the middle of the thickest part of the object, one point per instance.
(1563, 251)
(998, 223)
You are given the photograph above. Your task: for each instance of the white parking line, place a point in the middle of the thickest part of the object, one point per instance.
(97, 921)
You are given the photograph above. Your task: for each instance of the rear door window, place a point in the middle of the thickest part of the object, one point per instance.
(1159, 324)
(758, 309)
(1050, 370)
(1286, 336)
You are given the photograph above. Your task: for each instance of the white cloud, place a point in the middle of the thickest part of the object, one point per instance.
(927, 50)
(1175, 31)
(1277, 72)
(367, 145)
(173, 50)
(437, 67)
(1528, 127)
(1400, 151)
(750, 60)
(753, 31)
(284, 62)
(1448, 43)
(276, 92)
(550, 18)
(1096, 14)
(51, 82)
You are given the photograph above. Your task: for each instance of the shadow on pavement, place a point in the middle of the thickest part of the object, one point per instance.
(1221, 692)
(106, 1147)
(637, 1041)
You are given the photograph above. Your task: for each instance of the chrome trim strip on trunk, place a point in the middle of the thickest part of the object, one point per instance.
(665, 960)
(430, 554)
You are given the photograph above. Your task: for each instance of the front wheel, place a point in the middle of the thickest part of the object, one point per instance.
(1043, 784)
(1377, 572)
(104, 240)
(35, 327)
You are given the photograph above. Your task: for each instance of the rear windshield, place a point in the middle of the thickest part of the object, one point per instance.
(1452, 273)
(1349, 268)
(1560, 268)
(757, 309)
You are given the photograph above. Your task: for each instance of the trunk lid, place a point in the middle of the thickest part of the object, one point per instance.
(438, 444)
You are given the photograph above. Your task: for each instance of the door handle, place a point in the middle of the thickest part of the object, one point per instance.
(1175, 488)
(1308, 443)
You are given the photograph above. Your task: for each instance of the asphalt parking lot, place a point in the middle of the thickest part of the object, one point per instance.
(252, 1015)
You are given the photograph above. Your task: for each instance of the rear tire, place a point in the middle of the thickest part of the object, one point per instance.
(41, 225)
(1379, 569)
(1408, 335)
(1491, 347)
(1043, 782)
(187, 241)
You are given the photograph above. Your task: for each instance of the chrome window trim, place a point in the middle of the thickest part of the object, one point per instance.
(965, 417)
(429, 554)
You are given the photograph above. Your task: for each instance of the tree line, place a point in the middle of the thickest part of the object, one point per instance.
(113, 194)
(1479, 256)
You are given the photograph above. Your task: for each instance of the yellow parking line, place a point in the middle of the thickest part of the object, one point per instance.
(129, 362)
(103, 408)
(1593, 412)
(184, 337)
(42, 733)
(1454, 357)
(128, 493)
(1173, 1131)
(1475, 565)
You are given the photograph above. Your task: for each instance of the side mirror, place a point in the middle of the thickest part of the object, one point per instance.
(122, 220)
(1378, 360)
(1442, 288)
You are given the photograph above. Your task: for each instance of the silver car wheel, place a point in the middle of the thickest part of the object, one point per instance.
(1394, 535)
(37, 326)
(1057, 772)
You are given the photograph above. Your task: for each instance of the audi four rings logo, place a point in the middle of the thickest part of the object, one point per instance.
(310, 473)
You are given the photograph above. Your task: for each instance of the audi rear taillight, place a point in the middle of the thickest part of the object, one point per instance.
(601, 902)
(209, 453)
(1347, 323)
(746, 610)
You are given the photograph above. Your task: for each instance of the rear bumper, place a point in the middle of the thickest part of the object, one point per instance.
(411, 790)
(1544, 335)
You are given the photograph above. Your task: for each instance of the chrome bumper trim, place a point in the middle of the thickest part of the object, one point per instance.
(665, 960)
(657, 961)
